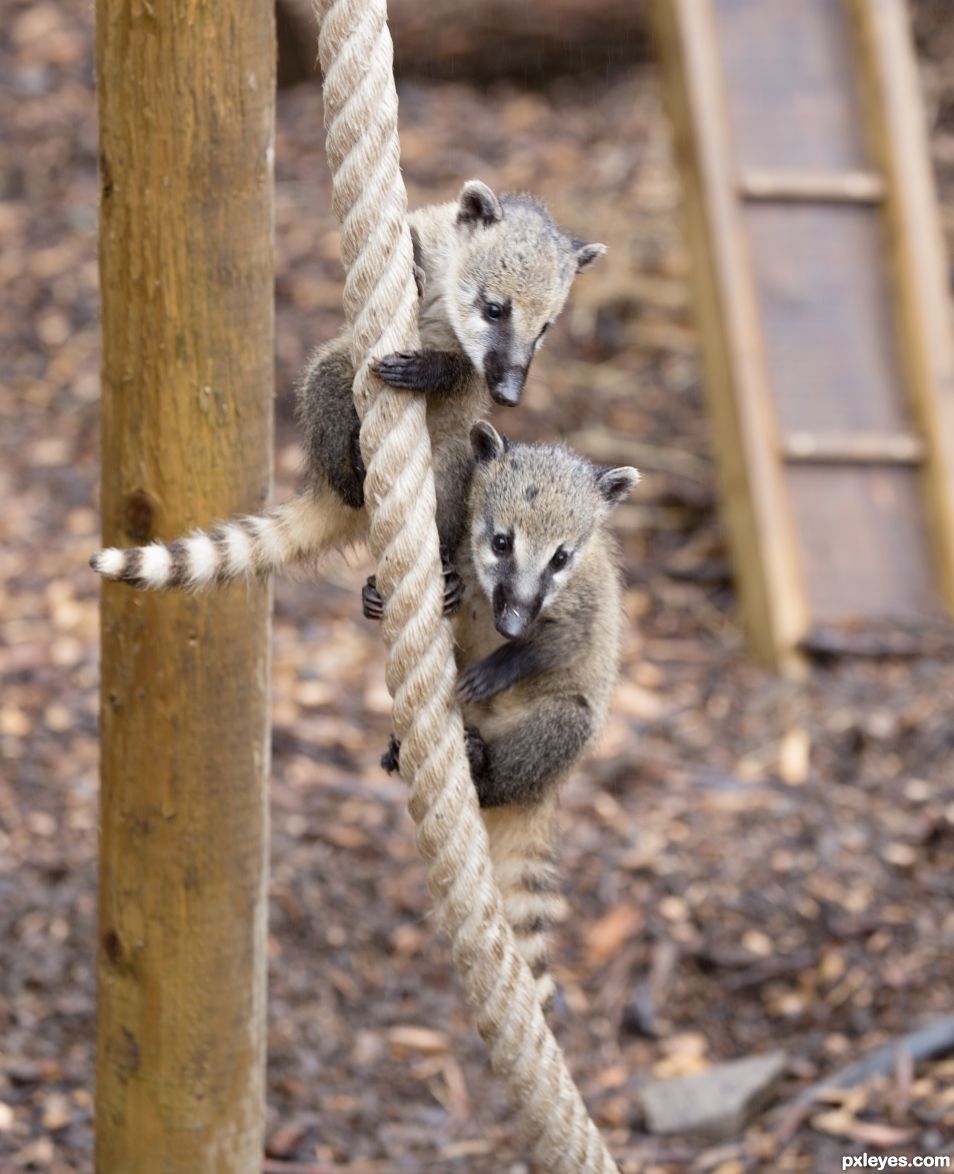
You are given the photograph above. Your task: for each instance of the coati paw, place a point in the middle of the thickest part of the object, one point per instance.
(391, 758)
(372, 601)
(405, 370)
(478, 683)
(453, 585)
(476, 749)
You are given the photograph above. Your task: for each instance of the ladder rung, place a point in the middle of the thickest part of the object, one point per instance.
(853, 448)
(839, 187)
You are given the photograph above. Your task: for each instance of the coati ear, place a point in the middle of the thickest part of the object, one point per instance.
(478, 204)
(615, 484)
(587, 253)
(486, 442)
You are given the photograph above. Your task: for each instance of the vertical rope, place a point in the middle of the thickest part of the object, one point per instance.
(381, 306)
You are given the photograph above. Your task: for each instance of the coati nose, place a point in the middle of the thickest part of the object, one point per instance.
(514, 621)
(507, 390)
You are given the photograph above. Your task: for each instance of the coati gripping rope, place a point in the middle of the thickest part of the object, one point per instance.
(380, 304)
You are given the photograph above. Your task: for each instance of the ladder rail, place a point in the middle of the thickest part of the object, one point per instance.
(898, 137)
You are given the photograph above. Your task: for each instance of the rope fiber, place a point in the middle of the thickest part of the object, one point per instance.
(380, 303)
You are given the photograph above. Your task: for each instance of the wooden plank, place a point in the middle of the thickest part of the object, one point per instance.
(788, 99)
(825, 303)
(863, 543)
(758, 513)
(844, 187)
(897, 129)
(878, 641)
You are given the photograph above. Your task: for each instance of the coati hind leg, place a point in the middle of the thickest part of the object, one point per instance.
(524, 760)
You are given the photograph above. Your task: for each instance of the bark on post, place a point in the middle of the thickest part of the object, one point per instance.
(186, 96)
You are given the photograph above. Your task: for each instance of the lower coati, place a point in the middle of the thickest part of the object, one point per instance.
(536, 600)
(493, 274)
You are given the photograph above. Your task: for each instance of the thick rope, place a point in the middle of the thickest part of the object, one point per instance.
(380, 303)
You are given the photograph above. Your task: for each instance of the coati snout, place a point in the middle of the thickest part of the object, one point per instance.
(514, 617)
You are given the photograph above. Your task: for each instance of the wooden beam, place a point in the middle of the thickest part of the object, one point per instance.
(852, 448)
(757, 508)
(186, 110)
(846, 187)
(917, 255)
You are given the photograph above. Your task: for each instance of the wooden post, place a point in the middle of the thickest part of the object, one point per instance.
(186, 94)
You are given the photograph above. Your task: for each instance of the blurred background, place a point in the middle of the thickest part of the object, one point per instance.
(750, 865)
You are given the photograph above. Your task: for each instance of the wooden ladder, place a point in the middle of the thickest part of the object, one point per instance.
(819, 276)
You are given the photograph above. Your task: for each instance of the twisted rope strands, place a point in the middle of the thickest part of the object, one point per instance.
(381, 305)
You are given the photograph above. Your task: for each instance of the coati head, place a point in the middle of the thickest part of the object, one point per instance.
(508, 280)
(533, 510)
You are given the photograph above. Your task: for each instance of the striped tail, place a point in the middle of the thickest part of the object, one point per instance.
(522, 857)
(301, 529)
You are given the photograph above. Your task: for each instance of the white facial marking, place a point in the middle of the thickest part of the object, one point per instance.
(526, 579)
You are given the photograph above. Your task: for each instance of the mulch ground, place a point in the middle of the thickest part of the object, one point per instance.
(748, 864)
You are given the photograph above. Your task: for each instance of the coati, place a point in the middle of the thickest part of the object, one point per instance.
(493, 274)
(537, 617)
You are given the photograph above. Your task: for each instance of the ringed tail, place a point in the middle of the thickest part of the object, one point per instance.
(251, 547)
(521, 854)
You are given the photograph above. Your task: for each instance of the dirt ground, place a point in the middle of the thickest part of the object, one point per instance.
(749, 865)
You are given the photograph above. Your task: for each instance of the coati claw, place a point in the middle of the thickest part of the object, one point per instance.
(478, 683)
(391, 758)
(372, 601)
(453, 584)
(476, 750)
(404, 370)
(420, 280)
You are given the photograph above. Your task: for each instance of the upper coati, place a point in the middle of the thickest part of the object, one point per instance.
(493, 275)
(537, 618)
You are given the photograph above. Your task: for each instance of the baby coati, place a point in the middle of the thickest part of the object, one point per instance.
(537, 616)
(493, 274)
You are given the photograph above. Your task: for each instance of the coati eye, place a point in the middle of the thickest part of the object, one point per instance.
(501, 543)
(493, 310)
(560, 559)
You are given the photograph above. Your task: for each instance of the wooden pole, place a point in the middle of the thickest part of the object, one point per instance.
(186, 99)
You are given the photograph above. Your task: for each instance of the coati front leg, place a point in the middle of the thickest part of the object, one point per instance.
(504, 668)
(443, 373)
